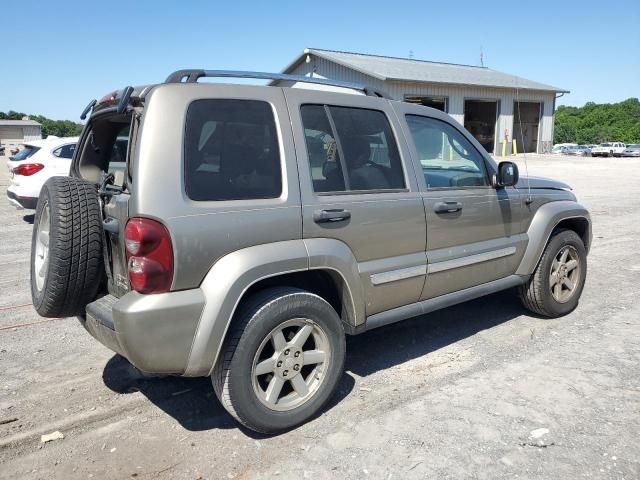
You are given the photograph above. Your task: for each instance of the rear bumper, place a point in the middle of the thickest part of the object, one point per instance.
(22, 202)
(154, 332)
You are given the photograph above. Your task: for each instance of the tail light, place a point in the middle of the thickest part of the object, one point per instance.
(149, 255)
(108, 98)
(27, 169)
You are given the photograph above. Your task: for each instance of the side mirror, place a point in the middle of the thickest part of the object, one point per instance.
(507, 175)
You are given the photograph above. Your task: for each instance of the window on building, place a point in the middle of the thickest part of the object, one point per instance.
(448, 159)
(439, 103)
(351, 149)
(231, 151)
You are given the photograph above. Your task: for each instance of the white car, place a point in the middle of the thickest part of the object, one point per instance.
(609, 149)
(35, 164)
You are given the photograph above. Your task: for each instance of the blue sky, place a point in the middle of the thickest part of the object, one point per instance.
(56, 56)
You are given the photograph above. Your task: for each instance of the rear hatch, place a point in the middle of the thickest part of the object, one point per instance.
(103, 156)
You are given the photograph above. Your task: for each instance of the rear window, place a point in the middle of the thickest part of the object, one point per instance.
(231, 151)
(25, 153)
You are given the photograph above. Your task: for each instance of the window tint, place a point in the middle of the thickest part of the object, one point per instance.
(448, 159)
(25, 153)
(65, 151)
(324, 159)
(362, 155)
(231, 151)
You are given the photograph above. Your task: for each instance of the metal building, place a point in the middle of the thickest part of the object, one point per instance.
(495, 107)
(14, 133)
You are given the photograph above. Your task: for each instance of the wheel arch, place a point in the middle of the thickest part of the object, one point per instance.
(238, 275)
(548, 218)
(580, 225)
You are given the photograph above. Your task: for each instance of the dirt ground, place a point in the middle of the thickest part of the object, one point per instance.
(480, 390)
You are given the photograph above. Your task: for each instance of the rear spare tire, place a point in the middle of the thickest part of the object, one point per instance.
(66, 247)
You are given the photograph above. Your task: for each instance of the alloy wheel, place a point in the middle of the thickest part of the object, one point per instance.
(290, 364)
(41, 260)
(565, 274)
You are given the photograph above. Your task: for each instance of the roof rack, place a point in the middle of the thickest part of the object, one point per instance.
(192, 76)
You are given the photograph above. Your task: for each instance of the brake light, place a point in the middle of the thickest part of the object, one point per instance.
(149, 255)
(109, 97)
(28, 169)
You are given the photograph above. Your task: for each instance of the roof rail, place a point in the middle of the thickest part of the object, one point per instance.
(192, 76)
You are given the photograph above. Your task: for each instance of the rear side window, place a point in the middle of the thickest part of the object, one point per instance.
(350, 149)
(231, 151)
(66, 151)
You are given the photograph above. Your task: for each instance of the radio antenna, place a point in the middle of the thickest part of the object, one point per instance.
(529, 199)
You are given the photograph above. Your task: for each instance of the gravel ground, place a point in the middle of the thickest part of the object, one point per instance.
(480, 390)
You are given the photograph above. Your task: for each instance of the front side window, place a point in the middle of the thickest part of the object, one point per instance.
(350, 149)
(231, 151)
(448, 159)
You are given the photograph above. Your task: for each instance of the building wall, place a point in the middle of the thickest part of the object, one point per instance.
(31, 133)
(12, 137)
(456, 96)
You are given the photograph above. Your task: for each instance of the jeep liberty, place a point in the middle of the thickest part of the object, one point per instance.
(239, 232)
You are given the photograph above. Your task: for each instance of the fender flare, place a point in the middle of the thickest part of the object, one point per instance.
(232, 275)
(544, 221)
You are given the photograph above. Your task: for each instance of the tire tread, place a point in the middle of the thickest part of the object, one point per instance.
(75, 248)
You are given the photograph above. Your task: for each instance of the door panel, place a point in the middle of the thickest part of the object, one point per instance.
(474, 233)
(479, 243)
(385, 235)
(385, 228)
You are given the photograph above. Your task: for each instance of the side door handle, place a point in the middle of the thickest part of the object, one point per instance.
(447, 207)
(331, 215)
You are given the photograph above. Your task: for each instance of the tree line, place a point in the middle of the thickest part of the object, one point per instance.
(59, 128)
(598, 123)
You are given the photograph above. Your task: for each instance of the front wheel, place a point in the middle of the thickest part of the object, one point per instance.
(555, 287)
(282, 361)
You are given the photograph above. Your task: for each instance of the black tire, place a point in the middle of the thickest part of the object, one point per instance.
(260, 314)
(536, 294)
(74, 262)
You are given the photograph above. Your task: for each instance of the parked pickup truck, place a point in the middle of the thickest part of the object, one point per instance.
(613, 149)
(252, 227)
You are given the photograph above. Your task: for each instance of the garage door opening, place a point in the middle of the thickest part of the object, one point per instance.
(480, 117)
(439, 103)
(526, 123)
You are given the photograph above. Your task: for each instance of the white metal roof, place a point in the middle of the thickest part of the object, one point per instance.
(412, 70)
(19, 123)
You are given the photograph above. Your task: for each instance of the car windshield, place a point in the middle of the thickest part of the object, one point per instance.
(605, 144)
(634, 146)
(25, 153)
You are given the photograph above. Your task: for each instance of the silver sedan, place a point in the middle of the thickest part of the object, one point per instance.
(632, 150)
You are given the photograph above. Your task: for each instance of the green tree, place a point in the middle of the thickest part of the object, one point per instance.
(597, 123)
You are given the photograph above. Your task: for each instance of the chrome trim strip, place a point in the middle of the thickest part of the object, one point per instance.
(470, 260)
(443, 301)
(401, 274)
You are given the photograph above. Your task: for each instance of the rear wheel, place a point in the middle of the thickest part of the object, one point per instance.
(282, 362)
(555, 287)
(66, 248)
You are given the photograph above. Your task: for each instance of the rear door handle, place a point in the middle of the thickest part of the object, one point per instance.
(447, 207)
(331, 215)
